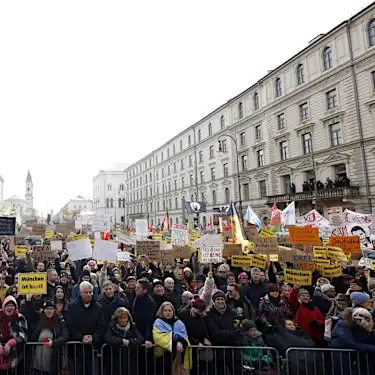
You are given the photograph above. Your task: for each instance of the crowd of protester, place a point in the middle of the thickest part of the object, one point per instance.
(171, 319)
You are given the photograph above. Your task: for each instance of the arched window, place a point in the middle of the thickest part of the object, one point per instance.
(300, 74)
(227, 195)
(222, 122)
(209, 129)
(199, 135)
(327, 58)
(278, 88)
(213, 197)
(371, 32)
(240, 110)
(256, 101)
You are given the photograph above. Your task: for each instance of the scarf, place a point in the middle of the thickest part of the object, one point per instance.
(5, 322)
(221, 311)
(50, 323)
(123, 329)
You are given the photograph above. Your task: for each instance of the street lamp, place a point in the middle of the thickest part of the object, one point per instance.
(238, 167)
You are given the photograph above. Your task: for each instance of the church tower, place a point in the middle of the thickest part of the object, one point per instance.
(29, 194)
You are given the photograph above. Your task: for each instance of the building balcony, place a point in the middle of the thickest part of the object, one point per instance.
(325, 194)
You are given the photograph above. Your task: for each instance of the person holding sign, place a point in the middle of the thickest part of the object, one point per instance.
(13, 333)
(307, 315)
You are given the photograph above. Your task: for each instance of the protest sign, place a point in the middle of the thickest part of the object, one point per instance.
(20, 251)
(299, 277)
(259, 261)
(64, 228)
(265, 245)
(332, 270)
(43, 253)
(32, 283)
(180, 235)
(302, 236)
(7, 226)
(181, 252)
(349, 244)
(320, 262)
(166, 257)
(251, 233)
(56, 245)
(123, 256)
(309, 266)
(80, 249)
(48, 234)
(243, 261)
(336, 253)
(266, 233)
(105, 250)
(141, 228)
(211, 254)
(335, 216)
(232, 249)
(149, 248)
(320, 251)
(101, 223)
(273, 257)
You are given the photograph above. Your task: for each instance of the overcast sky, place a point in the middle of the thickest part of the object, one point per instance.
(87, 84)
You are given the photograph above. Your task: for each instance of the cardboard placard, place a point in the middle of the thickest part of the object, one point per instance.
(32, 283)
(7, 226)
(301, 236)
(266, 245)
(251, 233)
(181, 252)
(308, 266)
(211, 254)
(349, 244)
(227, 233)
(20, 251)
(297, 277)
(64, 228)
(232, 249)
(49, 234)
(149, 248)
(332, 270)
(43, 253)
(167, 257)
(266, 233)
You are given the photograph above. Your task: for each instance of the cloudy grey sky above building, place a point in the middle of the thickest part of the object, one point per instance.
(88, 84)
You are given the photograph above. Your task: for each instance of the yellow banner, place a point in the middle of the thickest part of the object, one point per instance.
(247, 261)
(32, 283)
(266, 233)
(258, 261)
(332, 270)
(298, 277)
(20, 251)
(49, 234)
(274, 257)
(320, 251)
(331, 252)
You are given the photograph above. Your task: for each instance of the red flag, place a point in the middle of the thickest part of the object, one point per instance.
(275, 215)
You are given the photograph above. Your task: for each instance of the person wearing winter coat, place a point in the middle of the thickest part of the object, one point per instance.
(354, 331)
(124, 339)
(238, 302)
(340, 303)
(273, 309)
(171, 293)
(324, 299)
(256, 289)
(13, 335)
(307, 315)
(50, 328)
(85, 276)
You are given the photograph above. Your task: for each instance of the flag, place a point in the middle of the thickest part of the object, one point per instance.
(165, 224)
(275, 221)
(210, 223)
(253, 218)
(237, 231)
(288, 216)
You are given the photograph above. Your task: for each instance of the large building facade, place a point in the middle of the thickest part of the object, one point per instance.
(76, 206)
(311, 119)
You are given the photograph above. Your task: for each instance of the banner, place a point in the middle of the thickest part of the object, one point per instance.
(299, 277)
(180, 235)
(300, 236)
(349, 244)
(333, 270)
(32, 283)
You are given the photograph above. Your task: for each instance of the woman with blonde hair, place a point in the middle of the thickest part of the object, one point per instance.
(123, 337)
(171, 340)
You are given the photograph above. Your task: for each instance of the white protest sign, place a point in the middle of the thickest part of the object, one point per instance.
(364, 262)
(101, 223)
(127, 240)
(213, 240)
(211, 254)
(199, 242)
(123, 256)
(141, 228)
(80, 249)
(56, 245)
(105, 250)
(180, 235)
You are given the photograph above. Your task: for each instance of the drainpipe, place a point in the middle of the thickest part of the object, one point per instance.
(359, 118)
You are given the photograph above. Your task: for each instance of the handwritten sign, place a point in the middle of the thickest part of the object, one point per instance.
(266, 233)
(49, 234)
(181, 252)
(105, 250)
(349, 244)
(265, 245)
(20, 251)
(43, 253)
(149, 248)
(166, 257)
(32, 283)
(180, 235)
(232, 249)
(332, 270)
(80, 249)
(299, 277)
(251, 233)
(300, 236)
(7, 226)
(212, 254)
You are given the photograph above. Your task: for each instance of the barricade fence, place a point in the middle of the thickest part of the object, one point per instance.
(76, 358)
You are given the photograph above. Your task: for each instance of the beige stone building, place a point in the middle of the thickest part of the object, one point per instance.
(310, 119)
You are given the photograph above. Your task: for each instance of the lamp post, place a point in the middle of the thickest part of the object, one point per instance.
(238, 167)
(314, 170)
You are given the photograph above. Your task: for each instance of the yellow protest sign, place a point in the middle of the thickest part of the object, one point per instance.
(258, 261)
(32, 283)
(274, 257)
(332, 270)
(320, 251)
(49, 234)
(243, 261)
(321, 262)
(266, 233)
(20, 251)
(331, 252)
(298, 277)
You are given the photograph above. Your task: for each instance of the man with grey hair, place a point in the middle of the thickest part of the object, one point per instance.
(255, 289)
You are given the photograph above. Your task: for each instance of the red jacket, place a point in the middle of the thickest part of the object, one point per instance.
(304, 316)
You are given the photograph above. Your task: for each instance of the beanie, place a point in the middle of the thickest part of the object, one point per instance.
(248, 324)
(326, 287)
(243, 275)
(200, 278)
(157, 282)
(187, 269)
(199, 304)
(303, 291)
(48, 303)
(85, 273)
(272, 288)
(217, 293)
(358, 298)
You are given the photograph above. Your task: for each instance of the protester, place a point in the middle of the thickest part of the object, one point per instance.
(256, 289)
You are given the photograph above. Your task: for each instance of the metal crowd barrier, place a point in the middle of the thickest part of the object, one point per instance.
(75, 358)
(318, 361)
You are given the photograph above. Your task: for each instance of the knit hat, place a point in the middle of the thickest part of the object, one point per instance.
(131, 278)
(85, 273)
(303, 291)
(358, 298)
(243, 275)
(48, 303)
(187, 269)
(10, 299)
(186, 297)
(200, 278)
(199, 304)
(157, 282)
(326, 287)
(217, 293)
(248, 324)
(272, 288)
(357, 282)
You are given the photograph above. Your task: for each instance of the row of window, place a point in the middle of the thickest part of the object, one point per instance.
(110, 203)
(121, 187)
